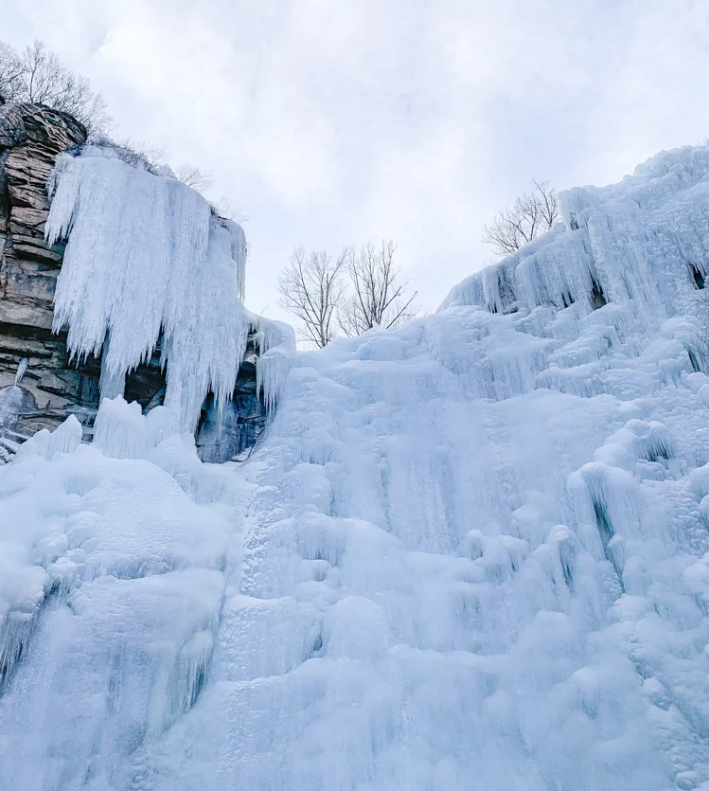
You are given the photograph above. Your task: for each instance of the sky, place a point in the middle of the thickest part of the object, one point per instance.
(336, 122)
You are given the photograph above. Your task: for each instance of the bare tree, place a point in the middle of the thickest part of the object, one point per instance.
(36, 75)
(533, 213)
(227, 210)
(195, 178)
(10, 72)
(137, 154)
(311, 289)
(378, 296)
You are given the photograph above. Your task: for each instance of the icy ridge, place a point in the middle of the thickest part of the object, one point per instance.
(643, 241)
(146, 257)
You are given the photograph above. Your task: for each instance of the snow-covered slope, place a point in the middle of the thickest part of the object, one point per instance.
(472, 553)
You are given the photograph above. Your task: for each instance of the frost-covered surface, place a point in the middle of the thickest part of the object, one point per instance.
(145, 256)
(643, 240)
(276, 349)
(111, 586)
(470, 553)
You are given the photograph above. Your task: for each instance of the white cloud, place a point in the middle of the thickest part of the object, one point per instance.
(332, 122)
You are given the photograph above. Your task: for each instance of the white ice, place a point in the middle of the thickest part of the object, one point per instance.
(146, 256)
(471, 553)
(276, 347)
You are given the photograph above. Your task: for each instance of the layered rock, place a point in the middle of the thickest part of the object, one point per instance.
(30, 138)
(39, 384)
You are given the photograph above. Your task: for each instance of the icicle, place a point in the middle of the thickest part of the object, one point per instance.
(145, 255)
(276, 345)
(113, 381)
(18, 620)
(21, 370)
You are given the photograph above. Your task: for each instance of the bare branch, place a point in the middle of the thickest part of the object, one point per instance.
(38, 76)
(378, 297)
(548, 206)
(533, 213)
(10, 73)
(311, 289)
(195, 178)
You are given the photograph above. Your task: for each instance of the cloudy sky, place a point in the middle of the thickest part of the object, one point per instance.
(329, 122)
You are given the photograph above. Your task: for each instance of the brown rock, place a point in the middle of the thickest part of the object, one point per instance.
(54, 386)
(31, 136)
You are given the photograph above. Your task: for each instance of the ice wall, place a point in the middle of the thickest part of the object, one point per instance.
(471, 553)
(642, 242)
(146, 256)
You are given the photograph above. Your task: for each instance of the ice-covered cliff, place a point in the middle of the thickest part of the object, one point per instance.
(471, 553)
(129, 284)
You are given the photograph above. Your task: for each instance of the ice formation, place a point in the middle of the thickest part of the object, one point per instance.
(276, 346)
(146, 256)
(471, 553)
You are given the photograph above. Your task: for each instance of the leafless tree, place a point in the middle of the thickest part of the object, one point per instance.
(311, 288)
(228, 210)
(37, 75)
(533, 213)
(137, 153)
(195, 178)
(10, 72)
(379, 297)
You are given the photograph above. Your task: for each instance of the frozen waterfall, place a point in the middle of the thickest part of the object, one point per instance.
(471, 553)
(146, 255)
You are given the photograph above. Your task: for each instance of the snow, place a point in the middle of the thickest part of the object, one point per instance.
(472, 552)
(167, 265)
(117, 573)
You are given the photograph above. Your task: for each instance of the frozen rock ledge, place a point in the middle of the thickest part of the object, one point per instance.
(144, 298)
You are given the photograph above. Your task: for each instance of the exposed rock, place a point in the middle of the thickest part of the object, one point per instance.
(53, 386)
(30, 138)
(229, 431)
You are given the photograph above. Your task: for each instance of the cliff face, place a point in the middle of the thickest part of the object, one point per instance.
(30, 138)
(39, 384)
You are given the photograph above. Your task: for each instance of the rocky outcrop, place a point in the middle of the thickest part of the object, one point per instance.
(39, 385)
(31, 136)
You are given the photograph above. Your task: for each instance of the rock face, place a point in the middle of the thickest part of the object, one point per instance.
(39, 385)
(233, 430)
(30, 138)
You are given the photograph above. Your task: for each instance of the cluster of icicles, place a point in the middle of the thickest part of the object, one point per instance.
(147, 260)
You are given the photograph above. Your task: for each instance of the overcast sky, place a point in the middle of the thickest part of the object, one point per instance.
(329, 122)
